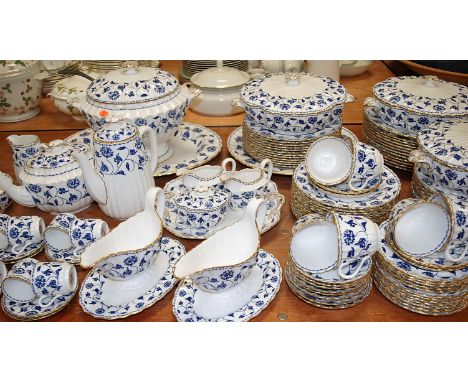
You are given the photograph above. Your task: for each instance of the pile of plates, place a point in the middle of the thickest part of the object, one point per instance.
(417, 287)
(191, 67)
(104, 66)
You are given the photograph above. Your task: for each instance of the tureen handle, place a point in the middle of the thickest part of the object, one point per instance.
(417, 156)
(153, 151)
(236, 102)
(349, 98)
(267, 165)
(192, 91)
(370, 102)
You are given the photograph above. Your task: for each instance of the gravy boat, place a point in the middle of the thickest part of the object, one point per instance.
(201, 176)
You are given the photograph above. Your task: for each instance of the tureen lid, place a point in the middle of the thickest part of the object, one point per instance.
(425, 95)
(56, 158)
(132, 84)
(447, 142)
(115, 131)
(293, 93)
(220, 77)
(10, 67)
(202, 198)
(70, 87)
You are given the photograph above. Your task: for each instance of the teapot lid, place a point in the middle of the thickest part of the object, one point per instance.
(56, 158)
(132, 84)
(293, 93)
(220, 77)
(12, 67)
(447, 142)
(115, 131)
(425, 95)
(202, 198)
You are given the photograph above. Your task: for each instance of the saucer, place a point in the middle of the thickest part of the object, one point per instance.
(31, 250)
(65, 255)
(235, 145)
(273, 214)
(434, 186)
(241, 303)
(108, 299)
(31, 311)
(194, 145)
(4, 201)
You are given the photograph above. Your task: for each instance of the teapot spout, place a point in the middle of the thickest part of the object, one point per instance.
(94, 183)
(18, 193)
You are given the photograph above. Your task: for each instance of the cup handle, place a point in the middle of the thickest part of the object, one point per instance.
(449, 257)
(16, 251)
(42, 298)
(267, 165)
(227, 174)
(351, 276)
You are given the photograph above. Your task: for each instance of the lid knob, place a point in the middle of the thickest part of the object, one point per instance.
(130, 67)
(292, 79)
(430, 81)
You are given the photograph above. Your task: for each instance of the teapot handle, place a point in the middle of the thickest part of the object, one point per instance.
(153, 149)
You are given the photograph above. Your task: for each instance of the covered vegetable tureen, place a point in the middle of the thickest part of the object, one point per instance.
(443, 154)
(52, 180)
(142, 95)
(412, 103)
(291, 103)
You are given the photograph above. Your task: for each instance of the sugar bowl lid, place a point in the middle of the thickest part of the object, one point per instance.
(293, 93)
(447, 142)
(425, 95)
(202, 198)
(116, 131)
(132, 84)
(220, 77)
(13, 67)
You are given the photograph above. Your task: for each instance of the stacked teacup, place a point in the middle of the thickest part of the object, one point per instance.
(344, 175)
(329, 264)
(422, 263)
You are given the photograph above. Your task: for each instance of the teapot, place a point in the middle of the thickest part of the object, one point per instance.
(122, 170)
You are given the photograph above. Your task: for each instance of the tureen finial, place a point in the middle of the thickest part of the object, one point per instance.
(292, 79)
(430, 81)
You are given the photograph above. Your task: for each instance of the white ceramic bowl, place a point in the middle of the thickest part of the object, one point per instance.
(355, 68)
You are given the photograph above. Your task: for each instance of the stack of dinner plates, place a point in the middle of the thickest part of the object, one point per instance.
(104, 66)
(191, 67)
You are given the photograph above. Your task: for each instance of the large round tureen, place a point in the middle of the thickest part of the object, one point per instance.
(141, 95)
(290, 103)
(412, 103)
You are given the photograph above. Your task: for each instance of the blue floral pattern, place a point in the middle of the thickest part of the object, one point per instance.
(46, 279)
(4, 201)
(21, 153)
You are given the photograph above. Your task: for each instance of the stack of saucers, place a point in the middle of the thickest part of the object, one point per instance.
(442, 159)
(329, 264)
(191, 67)
(286, 112)
(422, 264)
(104, 66)
(403, 106)
(344, 175)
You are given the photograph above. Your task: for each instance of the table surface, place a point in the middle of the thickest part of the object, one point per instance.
(50, 124)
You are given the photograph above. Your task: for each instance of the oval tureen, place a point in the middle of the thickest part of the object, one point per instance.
(142, 95)
(413, 103)
(294, 103)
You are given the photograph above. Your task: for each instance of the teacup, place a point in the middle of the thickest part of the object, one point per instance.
(457, 245)
(244, 185)
(53, 280)
(17, 285)
(419, 227)
(20, 232)
(68, 235)
(335, 160)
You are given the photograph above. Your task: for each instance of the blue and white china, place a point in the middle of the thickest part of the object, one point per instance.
(235, 144)
(52, 180)
(202, 207)
(18, 234)
(3, 274)
(443, 155)
(143, 96)
(202, 176)
(53, 280)
(270, 193)
(67, 236)
(413, 103)
(387, 192)
(194, 145)
(24, 147)
(420, 228)
(121, 170)
(294, 103)
(17, 285)
(398, 262)
(246, 184)
(4, 201)
(457, 245)
(129, 248)
(108, 299)
(337, 160)
(241, 303)
(228, 256)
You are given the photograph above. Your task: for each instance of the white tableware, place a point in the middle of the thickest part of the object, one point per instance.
(201, 176)
(17, 285)
(3, 274)
(144, 96)
(219, 86)
(24, 146)
(351, 68)
(21, 89)
(242, 302)
(273, 66)
(228, 256)
(4, 201)
(134, 238)
(52, 180)
(17, 234)
(53, 280)
(105, 298)
(120, 173)
(325, 68)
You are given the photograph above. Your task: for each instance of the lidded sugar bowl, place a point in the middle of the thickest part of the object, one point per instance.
(143, 96)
